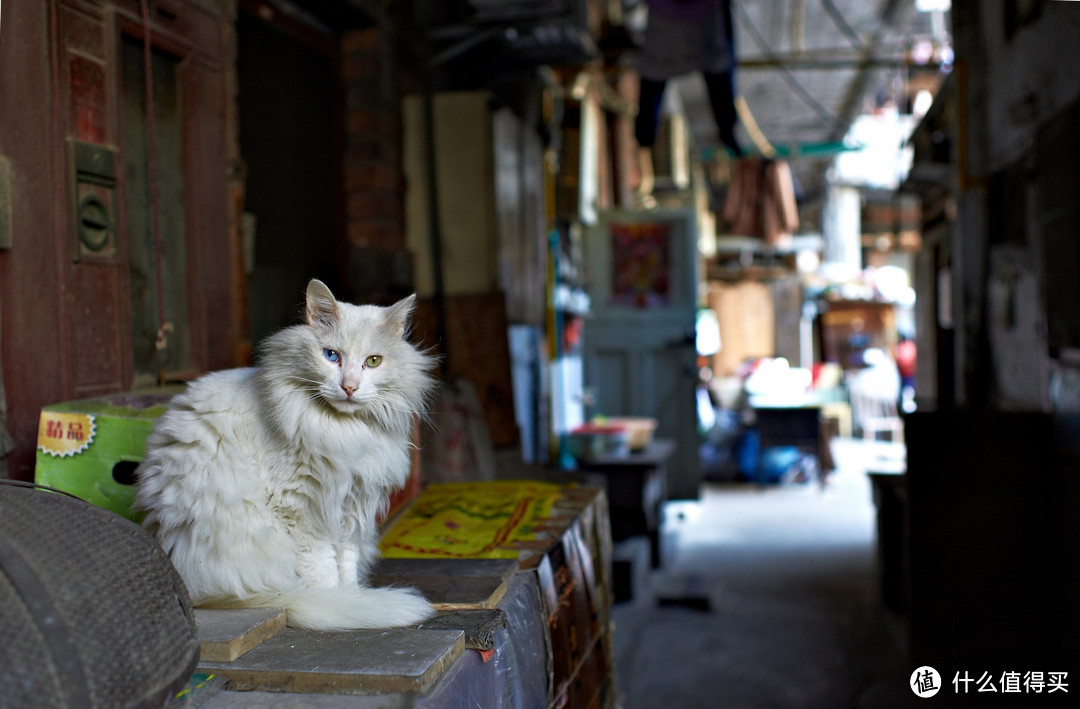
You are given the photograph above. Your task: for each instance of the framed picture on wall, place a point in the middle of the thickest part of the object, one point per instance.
(641, 264)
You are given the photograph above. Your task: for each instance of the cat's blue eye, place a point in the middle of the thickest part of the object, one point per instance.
(331, 355)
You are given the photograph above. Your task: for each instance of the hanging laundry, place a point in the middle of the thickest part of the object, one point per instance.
(682, 37)
(760, 200)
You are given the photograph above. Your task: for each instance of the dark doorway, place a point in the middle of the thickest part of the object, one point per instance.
(289, 128)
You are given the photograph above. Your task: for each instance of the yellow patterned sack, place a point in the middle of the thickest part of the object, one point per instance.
(479, 520)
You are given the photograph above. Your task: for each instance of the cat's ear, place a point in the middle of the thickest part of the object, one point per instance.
(322, 308)
(397, 315)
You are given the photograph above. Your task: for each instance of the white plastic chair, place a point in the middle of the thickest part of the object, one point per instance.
(873, 393)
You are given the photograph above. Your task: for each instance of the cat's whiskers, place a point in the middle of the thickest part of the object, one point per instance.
(304, 380)
(399, 410)
(311, 394)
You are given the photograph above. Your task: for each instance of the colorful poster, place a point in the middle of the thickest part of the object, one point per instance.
(641, 265)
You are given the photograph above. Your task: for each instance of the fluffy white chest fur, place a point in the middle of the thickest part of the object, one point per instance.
(264, 485)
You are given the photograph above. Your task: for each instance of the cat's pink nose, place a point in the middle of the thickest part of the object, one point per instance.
(349, 390)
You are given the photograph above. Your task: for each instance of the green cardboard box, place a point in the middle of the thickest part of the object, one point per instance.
(91, 447)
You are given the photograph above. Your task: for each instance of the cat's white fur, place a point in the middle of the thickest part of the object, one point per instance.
(264, 485)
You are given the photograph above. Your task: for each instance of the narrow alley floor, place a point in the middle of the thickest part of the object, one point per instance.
(766, 597)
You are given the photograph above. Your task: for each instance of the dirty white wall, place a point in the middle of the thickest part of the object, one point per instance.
(1016, 75)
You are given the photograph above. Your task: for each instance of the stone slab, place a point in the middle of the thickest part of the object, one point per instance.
(351, 662)
(226, 634)
(449, 584)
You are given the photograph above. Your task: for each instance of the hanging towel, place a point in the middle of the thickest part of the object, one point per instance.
(760, 200)
(741, 206)
(780, 214)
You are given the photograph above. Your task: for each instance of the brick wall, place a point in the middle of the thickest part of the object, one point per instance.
(380, 267)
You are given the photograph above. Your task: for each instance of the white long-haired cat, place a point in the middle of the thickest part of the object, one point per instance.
(264, 484)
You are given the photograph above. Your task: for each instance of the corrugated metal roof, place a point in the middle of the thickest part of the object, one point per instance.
(807, 69)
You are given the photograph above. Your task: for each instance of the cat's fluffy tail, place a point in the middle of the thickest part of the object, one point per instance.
(340, 607)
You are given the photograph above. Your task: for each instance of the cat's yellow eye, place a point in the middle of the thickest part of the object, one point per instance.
(373, 361)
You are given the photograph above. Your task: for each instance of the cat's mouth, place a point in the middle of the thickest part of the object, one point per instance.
(345, 403)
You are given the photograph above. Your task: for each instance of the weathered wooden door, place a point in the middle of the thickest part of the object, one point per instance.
(157, 244)
(639, 341)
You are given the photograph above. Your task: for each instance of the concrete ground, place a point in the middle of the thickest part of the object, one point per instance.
(766, 597)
